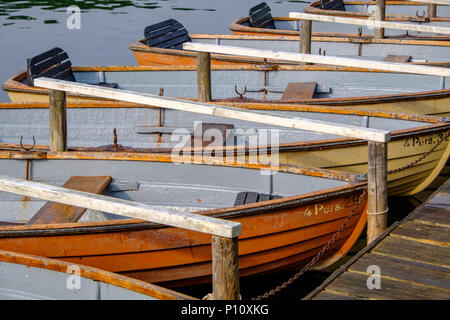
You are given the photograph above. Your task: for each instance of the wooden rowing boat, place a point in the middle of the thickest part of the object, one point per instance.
(307, 208)
(398, 50)
(355, 88)
(401, 11)
(26, 277)
(143, 129)
(397, 10)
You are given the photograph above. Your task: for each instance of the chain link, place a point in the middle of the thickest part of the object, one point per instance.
(317, 257)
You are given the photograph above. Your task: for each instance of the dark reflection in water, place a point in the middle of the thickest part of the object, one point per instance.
(11, 6)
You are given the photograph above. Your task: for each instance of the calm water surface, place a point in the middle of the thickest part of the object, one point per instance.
(28, 28)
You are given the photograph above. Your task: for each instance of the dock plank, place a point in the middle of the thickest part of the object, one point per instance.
(431, 215)
(327, 295)
(352, 283)
(415, 251)
(441, 198)
(413, 256)
(420, 273)
(432, 234)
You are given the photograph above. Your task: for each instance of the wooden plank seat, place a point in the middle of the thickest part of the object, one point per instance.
(337, 5)
(247, 197)
(53, 212)
(397, 58)
(299, 90)
(168, 34)
(208, 138)
(54, 64)
(260, 16)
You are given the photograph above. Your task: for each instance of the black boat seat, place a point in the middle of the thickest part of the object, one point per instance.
(247, 197)
(54, 64)
(337, 5)
(168, 34)
(260, 16)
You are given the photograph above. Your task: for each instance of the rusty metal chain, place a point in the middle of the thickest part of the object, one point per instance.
(426, 154)
(317, 257)
(341, 228)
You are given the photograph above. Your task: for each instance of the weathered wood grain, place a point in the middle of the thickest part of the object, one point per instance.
(225, 268)
(53, 212)
(415, 251)
(377, 187)
(432, 215)
(380, 15)
(355, 284)
(58, 120)
(415, 272)
(299, 90)
(305, 36)
(204, 76)
(437, 235)
(328, 295)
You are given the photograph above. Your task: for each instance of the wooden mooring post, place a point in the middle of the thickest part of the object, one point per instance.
(432, 8)
(204, 76)
(225, 268)
(58, 120)
(380, 15)
(305, 36)
(377, 190)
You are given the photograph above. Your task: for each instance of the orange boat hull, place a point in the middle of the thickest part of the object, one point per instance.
(275, 237)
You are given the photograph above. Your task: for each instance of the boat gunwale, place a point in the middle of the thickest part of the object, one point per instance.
(141, 46)
(13, 84)
(41, 151)
(354, 184)
(94, 274)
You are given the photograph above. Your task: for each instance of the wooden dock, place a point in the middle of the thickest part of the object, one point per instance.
(412, 257)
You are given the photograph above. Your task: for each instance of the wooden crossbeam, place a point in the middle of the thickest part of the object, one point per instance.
(53, 212)
(442, 2)
(369, 23)
(310, 58)
(215, 110)
(132, 209)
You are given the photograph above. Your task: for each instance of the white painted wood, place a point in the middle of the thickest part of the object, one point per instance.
(311, 58)
(369, 23)
(214, 110)
(195, 222)
(443, 2)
